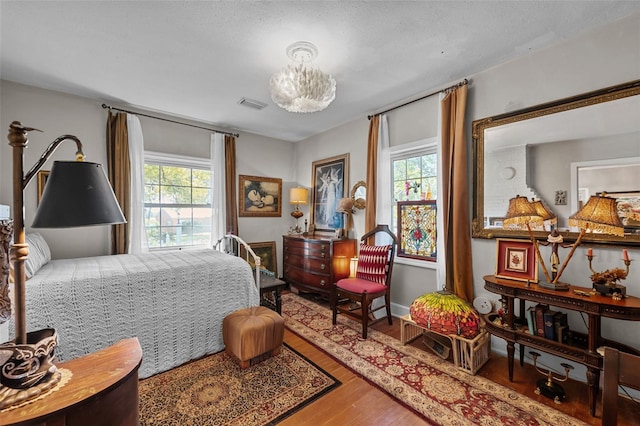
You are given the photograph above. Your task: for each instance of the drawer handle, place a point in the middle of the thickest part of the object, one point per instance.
(322, 282)
(323, 266)
(324, 254)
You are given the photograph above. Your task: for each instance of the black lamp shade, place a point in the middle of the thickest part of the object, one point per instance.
(77, 193)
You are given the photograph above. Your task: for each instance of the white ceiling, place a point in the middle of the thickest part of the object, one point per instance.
(196, 59)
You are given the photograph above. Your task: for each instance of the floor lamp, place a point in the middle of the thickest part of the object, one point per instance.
(77, 193)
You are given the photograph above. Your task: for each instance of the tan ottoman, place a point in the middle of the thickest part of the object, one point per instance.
(252, 335)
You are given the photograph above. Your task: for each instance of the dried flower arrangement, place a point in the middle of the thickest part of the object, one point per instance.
(610, 276)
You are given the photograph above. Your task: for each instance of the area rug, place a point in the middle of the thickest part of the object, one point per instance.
(434, 388)
(215, 391)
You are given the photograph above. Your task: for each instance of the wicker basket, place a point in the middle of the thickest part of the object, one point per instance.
(468, 354)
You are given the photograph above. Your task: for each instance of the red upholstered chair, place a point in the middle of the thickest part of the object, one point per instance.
(372, 281)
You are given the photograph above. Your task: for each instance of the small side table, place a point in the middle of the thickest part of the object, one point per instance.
(274, 287)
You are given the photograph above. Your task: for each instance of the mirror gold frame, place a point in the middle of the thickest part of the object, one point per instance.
(359, 202)
(478, 133)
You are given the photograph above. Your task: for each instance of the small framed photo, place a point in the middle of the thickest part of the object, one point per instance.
(260, 196)
(516, 260)
(43, 175)
(266, 251)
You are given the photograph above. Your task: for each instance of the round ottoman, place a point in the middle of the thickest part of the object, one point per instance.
(252, 335)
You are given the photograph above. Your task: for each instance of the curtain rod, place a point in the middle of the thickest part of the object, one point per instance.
(170, 121)
(461, 83)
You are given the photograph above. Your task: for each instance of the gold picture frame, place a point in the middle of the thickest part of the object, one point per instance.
(329, 183)
(260, 196)
(267, 253)
(43, 175)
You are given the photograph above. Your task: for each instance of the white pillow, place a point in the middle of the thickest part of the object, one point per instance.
(39, 254)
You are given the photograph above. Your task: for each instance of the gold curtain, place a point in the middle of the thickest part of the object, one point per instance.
(119, 176)
(372, 175)
(230, 184)
(457, 237)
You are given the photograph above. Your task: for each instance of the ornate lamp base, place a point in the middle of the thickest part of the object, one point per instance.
(610, 289)
(28, 369)
(550, 389)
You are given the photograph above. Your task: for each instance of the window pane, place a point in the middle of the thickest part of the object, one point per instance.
(202, 178)
(175, 175)
(413, 168)
(202, 217)
(399, 170)
(175, 195)
(151, 194)
(201, 196)
(151, 173)
(429, 165)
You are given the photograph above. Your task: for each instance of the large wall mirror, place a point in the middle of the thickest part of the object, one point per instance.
(561, 152)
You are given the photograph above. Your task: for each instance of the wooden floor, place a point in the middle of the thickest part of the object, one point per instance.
(356, 402)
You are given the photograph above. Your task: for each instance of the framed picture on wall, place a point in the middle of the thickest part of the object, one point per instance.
(628, 207)
(43, 175)
(329, 183)
(266, 251)
(516, 260)
(260, 196)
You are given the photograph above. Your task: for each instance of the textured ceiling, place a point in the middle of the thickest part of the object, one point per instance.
(196, 59)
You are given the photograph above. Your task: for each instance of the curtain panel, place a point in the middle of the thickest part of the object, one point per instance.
(119, 170)
(230, 184)
(372, 174)
(457, 236)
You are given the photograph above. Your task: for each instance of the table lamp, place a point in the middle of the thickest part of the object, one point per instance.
(345, 206)
(298, 196)
(523, 214)
(77, 194)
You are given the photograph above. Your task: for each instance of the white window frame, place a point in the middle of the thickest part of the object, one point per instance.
(415, 149)
(177, 160)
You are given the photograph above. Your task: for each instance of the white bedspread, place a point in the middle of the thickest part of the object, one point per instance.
(173, 302)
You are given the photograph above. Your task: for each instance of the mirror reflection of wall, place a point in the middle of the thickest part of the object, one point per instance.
(550, 167)
(504, 179)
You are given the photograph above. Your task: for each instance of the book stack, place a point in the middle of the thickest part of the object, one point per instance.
(548, 323)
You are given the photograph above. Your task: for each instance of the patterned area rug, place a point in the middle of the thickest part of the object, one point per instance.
(434, 388)
(215, 391)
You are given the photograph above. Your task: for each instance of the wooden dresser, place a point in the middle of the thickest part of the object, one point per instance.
(311, 264)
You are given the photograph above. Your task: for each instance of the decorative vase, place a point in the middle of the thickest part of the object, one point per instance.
(27, 365)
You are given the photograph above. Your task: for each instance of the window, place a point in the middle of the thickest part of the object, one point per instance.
(414, 174)
(177, 201)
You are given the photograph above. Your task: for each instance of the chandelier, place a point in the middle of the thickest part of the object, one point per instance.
(299, 88)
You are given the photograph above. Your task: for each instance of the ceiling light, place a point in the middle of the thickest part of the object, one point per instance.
(299, 88)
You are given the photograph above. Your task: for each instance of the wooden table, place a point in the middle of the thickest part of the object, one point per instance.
(273, 286)
(595, 306)
(103, 391)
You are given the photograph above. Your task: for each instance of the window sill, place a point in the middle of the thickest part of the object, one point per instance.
(417, 263)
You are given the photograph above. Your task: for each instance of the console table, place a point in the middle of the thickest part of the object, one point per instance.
(595, 306)
(102, 391)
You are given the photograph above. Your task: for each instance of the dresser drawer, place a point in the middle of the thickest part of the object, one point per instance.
(311, 264)
(320, 249)
(322, 281)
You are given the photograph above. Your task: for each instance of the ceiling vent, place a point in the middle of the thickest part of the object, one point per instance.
(251, 103)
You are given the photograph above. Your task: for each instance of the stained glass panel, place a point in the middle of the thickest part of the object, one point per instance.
(417, 229)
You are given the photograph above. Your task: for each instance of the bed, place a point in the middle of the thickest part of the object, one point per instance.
(173, 302)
